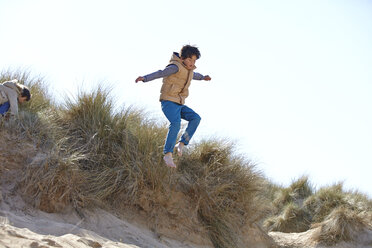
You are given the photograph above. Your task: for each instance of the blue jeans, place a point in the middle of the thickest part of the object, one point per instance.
(174, 112)
(4, 108)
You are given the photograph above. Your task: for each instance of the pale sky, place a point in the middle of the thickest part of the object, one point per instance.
(291, 80)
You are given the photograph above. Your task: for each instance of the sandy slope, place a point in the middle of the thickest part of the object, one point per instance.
(304, 239)
(22, 226)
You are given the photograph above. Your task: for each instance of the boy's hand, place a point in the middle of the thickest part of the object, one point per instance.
(140, 79)
(207, 78)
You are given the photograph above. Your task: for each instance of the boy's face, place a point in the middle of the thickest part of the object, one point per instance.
(189, 62)
(22, 99)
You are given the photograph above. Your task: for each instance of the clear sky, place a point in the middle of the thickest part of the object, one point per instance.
(291, 80)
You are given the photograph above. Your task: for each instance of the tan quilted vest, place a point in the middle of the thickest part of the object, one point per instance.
(175, 87)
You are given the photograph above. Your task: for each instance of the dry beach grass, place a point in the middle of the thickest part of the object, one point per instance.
(86, 155)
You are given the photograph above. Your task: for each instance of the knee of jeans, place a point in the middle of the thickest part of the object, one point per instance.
(197, 119)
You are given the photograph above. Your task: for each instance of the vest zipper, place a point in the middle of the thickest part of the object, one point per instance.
(184, 86)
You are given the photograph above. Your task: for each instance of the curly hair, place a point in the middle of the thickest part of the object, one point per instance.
(26, 93)
(188, 51)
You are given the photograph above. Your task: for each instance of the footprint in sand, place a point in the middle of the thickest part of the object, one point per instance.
(51, 242)
(37, 245)
(90, 243)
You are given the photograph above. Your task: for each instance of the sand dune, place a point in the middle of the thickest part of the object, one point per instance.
(23, 226)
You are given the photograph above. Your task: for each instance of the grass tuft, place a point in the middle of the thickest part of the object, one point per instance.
(341, 224)
(325, 201)
(292, 219)
(224, 187)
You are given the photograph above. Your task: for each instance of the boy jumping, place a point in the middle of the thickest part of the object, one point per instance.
(177, 77)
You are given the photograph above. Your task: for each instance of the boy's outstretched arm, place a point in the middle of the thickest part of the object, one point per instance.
(198, 76)
(169, 70)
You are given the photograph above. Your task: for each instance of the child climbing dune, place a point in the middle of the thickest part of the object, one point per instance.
(12, 93)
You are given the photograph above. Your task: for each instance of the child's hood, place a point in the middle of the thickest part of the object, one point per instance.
(176, 57)
(13, 84)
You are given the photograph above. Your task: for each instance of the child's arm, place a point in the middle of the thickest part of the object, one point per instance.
(198, 76)
(169, 70)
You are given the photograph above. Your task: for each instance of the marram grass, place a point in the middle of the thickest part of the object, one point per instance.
(90, 154)
(299, 207)
(342, 224)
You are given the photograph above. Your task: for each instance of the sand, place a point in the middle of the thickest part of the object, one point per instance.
(24, 226)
